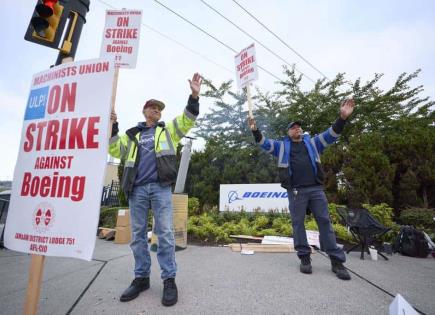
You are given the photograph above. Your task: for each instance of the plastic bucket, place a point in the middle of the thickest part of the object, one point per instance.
(179, 217)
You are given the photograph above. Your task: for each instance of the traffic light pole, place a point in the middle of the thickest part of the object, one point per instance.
(77, 12)
(77, 18)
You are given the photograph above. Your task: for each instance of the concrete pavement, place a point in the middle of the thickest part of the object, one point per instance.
(214, 280)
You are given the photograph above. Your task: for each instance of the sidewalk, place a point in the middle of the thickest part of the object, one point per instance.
(214, 280)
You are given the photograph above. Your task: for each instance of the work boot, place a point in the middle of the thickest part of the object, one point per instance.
(305, 266)
(170, 292)
(339, 269)
(137, 286)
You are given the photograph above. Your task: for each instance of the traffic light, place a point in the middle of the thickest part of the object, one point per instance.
(47, 23)
(58, 24)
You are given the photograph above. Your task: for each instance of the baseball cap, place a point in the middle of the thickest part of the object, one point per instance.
(151, 102)
(294, 123)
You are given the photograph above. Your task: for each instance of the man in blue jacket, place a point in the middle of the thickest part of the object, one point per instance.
(301, 174)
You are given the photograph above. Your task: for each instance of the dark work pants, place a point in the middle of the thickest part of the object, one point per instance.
(315, 199)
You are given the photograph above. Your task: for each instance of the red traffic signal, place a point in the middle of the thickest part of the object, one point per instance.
(45, 20)
(45, 9)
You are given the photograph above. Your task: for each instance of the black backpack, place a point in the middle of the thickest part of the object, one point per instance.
(411, 242)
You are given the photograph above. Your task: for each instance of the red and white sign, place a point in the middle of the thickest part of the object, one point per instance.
(121, 37)
(58, 178)
(246, 66)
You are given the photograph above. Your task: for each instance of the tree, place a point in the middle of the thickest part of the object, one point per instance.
(385, 153)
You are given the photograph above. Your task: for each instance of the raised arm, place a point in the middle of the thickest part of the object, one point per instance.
(268, 145)
(331, 135)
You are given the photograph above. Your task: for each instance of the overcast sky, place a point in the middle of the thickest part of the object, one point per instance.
(357, 37)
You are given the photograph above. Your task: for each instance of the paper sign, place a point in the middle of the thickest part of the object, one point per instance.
(313, 238)
(246, 66)
(400, 306)
(58, 177)
(121, 37)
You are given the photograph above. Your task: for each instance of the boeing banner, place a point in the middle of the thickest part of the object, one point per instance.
(253, 197)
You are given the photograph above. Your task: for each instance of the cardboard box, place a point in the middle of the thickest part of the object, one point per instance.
(123, 235)
(123, 218)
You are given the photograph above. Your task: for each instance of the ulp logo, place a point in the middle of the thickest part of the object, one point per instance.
(233, 196)
(43, 217)
(36, 104)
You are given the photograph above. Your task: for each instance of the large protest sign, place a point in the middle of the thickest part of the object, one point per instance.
(121, 37)
(246, 66)
(58, 178)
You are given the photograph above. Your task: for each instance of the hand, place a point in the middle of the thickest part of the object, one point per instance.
(113, 116)
(195, 84)
(251, 123)
(346, 108)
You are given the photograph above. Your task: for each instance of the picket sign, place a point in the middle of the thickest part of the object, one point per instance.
(120, 42)
(54, 206)
(246, 71)
(121, 36)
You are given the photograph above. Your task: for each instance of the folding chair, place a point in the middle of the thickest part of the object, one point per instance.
(364, 228)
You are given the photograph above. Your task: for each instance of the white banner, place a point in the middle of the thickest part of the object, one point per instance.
(121, 37)
(246, 66)
(253, 197)
(58, 178)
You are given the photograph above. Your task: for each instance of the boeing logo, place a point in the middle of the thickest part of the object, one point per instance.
(233, 196)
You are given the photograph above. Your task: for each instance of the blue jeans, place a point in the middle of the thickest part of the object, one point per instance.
(159, 199)
(315, 199)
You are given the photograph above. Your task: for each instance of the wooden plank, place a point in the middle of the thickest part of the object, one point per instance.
(278, 248)
(247, 237)
(34, 285)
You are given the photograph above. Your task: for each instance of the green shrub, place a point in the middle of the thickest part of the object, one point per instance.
(216, 227)
(333, 214)
(193, 206)
(108, 216)
(421, 218)
(381, 212)
(286, 230)
(342, 233)
(266, 232)
(205, 229)
(231, 216)
(311, 225)
(245, 227)
(261, 222)
(282, 225)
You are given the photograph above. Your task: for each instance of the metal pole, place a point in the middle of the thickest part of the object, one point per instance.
(184, 165)
(77, 18)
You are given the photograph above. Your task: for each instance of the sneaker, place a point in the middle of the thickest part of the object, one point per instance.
(137, 286)
(170, 292)
(305, 266)
(339, 269)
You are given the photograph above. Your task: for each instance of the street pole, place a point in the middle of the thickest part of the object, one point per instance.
(77, 13)
(184, 165)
